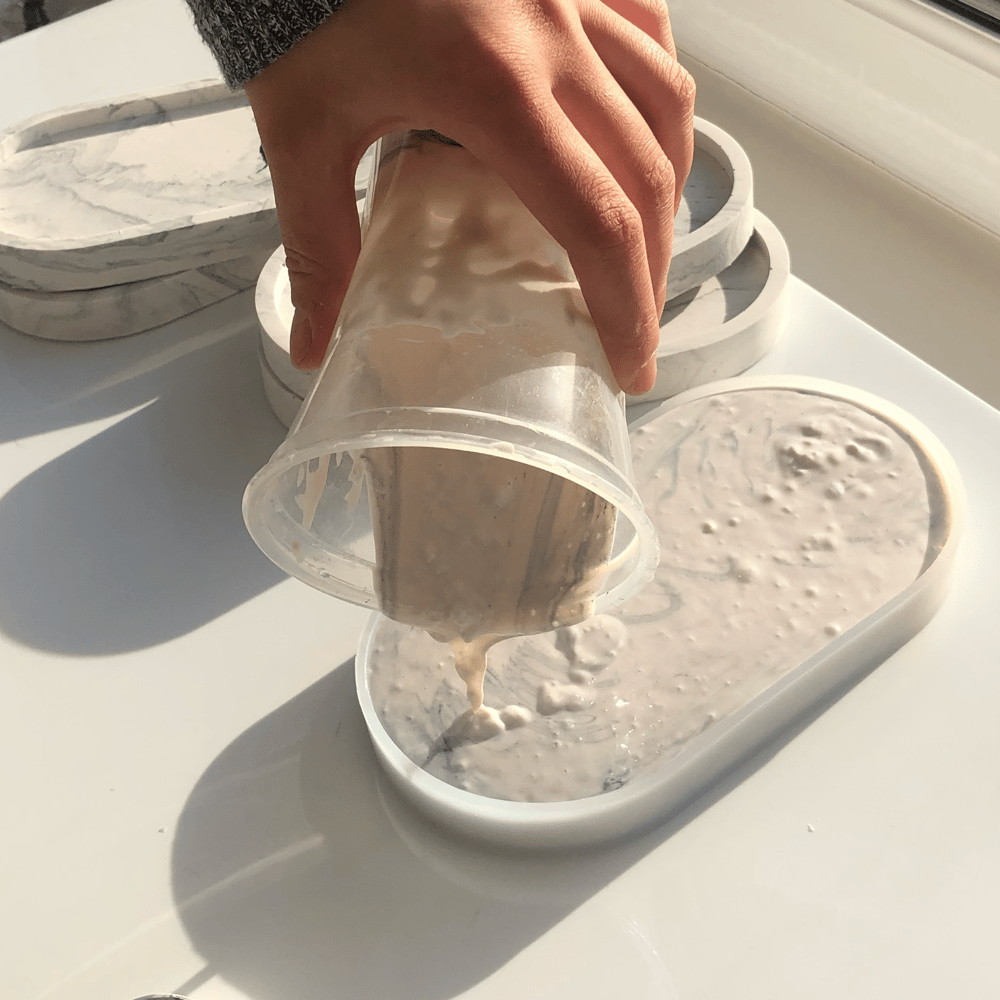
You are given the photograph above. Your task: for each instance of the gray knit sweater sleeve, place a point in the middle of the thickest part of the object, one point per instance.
(247, 35)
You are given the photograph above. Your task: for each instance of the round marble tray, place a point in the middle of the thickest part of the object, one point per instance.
(714, 224)
(770, 703)
(274, 316)
(122, 310)
(715, 218)
(727, 323)
(283, 401)
(714, 331)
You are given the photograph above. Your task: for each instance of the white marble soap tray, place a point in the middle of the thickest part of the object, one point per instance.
(729, 322)
(758, 489)
(715, 218)
(148, 186)
(122, 310)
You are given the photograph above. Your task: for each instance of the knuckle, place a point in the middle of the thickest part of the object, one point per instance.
(551, 18)
(308, 276)
(683, 84)
(617, 226)
(501, 77)
(661, 177)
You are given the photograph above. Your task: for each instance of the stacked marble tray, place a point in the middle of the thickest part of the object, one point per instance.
(728, 276)
(728, 285)
(115, 218)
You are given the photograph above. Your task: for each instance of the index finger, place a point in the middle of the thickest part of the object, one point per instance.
(570, 191)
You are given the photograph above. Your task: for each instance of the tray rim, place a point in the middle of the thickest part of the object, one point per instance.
(733, 158)
(769, 296)
(279, 397)
(137, 294)
(726, 233)
(747, 336)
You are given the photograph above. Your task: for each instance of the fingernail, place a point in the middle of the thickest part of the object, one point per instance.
(301, 338)
(640, 381)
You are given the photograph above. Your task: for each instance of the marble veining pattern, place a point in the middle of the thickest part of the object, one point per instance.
(728, 323)
(122, 192)
(715, 219)
(122, 310)
(716, 276)
(719, 299)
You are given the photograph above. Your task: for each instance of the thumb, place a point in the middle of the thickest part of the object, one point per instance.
(317, 212)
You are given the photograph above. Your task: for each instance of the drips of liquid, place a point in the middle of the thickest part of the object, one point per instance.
(462, 304)
(784, 519)
(482, 549)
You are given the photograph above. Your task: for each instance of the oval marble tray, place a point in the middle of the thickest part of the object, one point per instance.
(708, 751)
(715, 218)
(147, 186)
(727, 323)
(123, 310)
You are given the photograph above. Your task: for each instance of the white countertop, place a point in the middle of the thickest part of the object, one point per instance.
(190, 800)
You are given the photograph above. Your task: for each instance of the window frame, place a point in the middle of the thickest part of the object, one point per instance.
(902, 83)
(985, 13)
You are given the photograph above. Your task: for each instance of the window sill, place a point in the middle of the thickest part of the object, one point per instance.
(905, 86)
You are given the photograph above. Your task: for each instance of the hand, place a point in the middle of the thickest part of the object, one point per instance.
(579, 105)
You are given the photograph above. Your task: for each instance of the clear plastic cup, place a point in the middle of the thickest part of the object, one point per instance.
(465, 417)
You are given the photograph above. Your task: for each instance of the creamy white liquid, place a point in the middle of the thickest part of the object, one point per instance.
(476, 548)
(462, 304)
(784, 519)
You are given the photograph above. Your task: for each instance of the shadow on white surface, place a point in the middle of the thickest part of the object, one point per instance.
(293, 884)
(298, 876)
(124, 529)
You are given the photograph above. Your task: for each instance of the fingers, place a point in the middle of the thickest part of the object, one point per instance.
(612, 126)
(650, 16)
(317, 212)
(574, 195)
(658, 87)
(603, 170)
(578, 104)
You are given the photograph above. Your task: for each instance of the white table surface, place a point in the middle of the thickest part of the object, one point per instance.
(190, 803)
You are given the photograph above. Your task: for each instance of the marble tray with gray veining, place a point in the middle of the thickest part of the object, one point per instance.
(126, 309)
(152, 185)
(715, 218)
(729, 322)
(285, 385)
